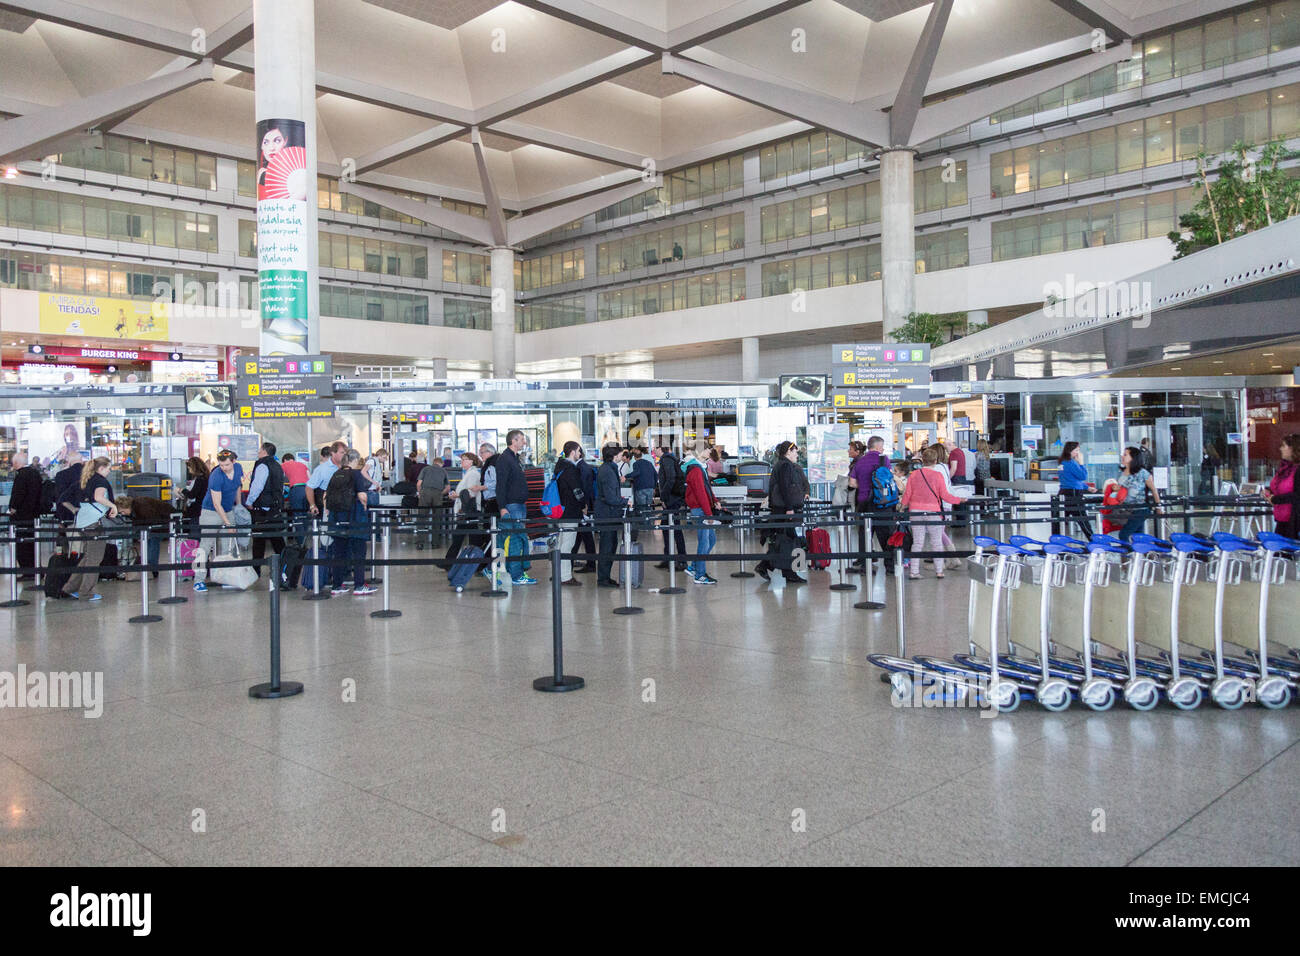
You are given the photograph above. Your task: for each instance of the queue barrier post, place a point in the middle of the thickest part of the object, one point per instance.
(841, 537)
(626, 570)
(742, 521)
(14, 599)
(144, 617)
(318, 571)
(672, 560)
(275, 688)
(38, 583)
(173, 533)
(557, 682)
(869, 569)
(494, 589)
(386, 612)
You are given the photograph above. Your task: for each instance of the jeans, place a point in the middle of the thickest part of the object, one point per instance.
(705, 539)
(1135, 524)
(514, 543)
(349, 548)
(1072, 499)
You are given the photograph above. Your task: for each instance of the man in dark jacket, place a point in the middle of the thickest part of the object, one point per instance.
(585, 540)
(67, 495)
(266, 502)
(568, 481)
(608, 513)
(672, 492)
(785, 500)
(512, 505)
(24, 507)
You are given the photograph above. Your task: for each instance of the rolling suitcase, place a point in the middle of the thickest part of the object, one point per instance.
(460, 574)
(634, 568)
(819, 542)
(57, 572)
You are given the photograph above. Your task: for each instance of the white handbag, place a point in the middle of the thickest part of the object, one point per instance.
(241, 577)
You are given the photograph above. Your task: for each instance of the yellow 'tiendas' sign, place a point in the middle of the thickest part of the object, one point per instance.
(103, 318)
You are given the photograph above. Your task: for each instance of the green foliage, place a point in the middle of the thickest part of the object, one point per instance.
(1249, 191)
(934, 329)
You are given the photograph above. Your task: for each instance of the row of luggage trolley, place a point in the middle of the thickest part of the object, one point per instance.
(1179, 620)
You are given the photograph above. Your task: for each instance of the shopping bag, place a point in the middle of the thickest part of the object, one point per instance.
(241, 577)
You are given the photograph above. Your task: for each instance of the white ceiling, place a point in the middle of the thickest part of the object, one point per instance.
(406, 66)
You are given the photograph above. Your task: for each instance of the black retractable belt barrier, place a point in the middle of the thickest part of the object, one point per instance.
(557, 682)
(275, 688)
(495, 591)
(14, 599)
(672, 560)
(629, 607)
(173, 533)
(841, 535)
(869, 569)
(387, 611)
(317, 593)
(144, 617)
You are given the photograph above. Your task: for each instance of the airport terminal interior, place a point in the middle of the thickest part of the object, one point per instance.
(581, 432)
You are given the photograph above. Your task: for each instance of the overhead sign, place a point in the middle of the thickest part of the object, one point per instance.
(285, 386)
(881, 398)
(102, 318)
(418, 418)
(875, 375)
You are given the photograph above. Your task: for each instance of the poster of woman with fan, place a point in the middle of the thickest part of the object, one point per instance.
(282, 238)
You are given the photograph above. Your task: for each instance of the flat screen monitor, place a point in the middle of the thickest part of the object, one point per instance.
(207, 399)
(804, 388)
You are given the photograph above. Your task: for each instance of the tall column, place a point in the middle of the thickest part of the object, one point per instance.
(503, 312)
(588, 368)
(440, 369)
(749, 359)
(288, 264)
(897, 238)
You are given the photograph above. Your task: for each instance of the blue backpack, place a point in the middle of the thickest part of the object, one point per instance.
(550, 506)
(884, 490)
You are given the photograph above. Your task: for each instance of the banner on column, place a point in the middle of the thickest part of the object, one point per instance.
(283, 185)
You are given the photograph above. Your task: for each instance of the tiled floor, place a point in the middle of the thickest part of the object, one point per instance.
(736, 724)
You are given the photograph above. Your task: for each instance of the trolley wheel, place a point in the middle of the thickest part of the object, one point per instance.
(1184, 693)
(1053, 694)
(1273, 693)
(1141, 694)
(1099, 694)
(1004, 696)
(900, 689)
(1230, 693)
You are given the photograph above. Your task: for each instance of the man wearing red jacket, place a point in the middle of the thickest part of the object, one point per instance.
(700, 500)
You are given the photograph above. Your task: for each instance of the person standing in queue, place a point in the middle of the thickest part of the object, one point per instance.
(700, 501)
(349, 524)
(67, 491)
(97, 492)
(568, 481)
(266, 503)
(869, 457)
(431, 493)
(331, 457)
(672, 492)
(608, 514)
(642, 479)
(223, 494)
(24, 507)
(1140, 488)
(512, 505)
(785, 501)
(1073, 477)
(1282, 490)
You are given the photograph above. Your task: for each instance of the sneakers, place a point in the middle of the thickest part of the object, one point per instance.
(607, 583)
(363, 591)
(344, 589)
(704, 579)
(762, 570)
(487, 573)
(523, 582)
(199, 587)
(94, 597)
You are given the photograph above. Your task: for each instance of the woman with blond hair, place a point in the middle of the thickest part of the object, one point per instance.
(96, 505)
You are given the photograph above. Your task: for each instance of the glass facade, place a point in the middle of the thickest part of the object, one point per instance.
(822, 270)
(823, 212)
(1254, 118)
(70, 214)
(1151, 216)
(553, 268)
(466, 268)
(684, 293)
(139, 160)
(551, 314)
(686, 240)
(42, 272)
(813, 150)
(467, 313)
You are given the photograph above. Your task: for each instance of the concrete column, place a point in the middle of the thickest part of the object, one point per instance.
(749, 359)
(979, 241)
(440, 369)
(897, 238)
(285, 66)
(503, 311)
(588, 368)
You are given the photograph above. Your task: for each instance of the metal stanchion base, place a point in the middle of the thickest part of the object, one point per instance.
(388, 613)
(869, 605)
(743, 574)
(317, 596)
(142, 618)
(172, 600)
(629, 610)
(672, 590)
(566, 683)
(493, 592)
(33, 587)
(287, 688)
(18, 603)
(844, 587)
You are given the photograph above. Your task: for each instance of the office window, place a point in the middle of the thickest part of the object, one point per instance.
(1252, 33)
(1158, 58)
(1189, 51)
(1159, 139)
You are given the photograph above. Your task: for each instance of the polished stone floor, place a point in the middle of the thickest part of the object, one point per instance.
(738, 724)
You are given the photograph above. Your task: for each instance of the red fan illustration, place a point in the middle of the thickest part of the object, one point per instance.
(285, 175)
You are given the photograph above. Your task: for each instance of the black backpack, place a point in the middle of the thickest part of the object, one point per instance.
(340, 493)
(672, 480)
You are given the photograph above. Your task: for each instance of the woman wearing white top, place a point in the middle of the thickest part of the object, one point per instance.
(374, 472)
(471, 475)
